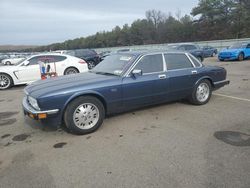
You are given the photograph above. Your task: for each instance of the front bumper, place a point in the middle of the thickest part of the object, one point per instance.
(220, 84)
(228, 57)
(37, 114)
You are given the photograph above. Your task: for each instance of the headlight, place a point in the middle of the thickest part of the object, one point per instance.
(33, 102)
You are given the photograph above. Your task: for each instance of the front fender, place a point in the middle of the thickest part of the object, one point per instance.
(78, 94)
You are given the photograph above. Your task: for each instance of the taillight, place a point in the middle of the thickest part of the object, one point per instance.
(82, 61)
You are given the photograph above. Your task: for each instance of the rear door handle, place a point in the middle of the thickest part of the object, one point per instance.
(162, 76)
(194, 72)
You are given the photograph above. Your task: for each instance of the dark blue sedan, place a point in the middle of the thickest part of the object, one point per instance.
(121, 82)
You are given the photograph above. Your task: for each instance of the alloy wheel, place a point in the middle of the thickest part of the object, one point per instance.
(202, 92)
(4, 81)
(86, 116)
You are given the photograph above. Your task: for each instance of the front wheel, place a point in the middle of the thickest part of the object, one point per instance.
(200, 58)
(241, 57)
(201, 93)
(84, 115)
(5, 81)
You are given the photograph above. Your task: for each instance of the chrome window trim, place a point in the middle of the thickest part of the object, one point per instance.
(190, 60)
(127, 74)
(188, 54)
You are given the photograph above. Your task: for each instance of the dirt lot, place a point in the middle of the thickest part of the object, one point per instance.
(171, 145)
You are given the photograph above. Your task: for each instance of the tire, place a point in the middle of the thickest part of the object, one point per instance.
(7, 63)
(213, 54)
(71, 70)
(75, 116)
(5, 81)
(201, 93)
(241, 57)
(200, 58)
(91, 64)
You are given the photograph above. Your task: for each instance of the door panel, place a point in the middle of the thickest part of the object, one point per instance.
(138, 91)
(182, 82)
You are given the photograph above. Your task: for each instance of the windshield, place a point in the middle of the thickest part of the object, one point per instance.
(114, 65)
(237, 45)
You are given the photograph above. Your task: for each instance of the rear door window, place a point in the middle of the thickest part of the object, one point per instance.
(177, 61)
(150, 64)
(55, 58)
(35, 60)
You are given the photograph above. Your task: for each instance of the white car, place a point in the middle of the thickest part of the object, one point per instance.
(12, 61)
(28, 70)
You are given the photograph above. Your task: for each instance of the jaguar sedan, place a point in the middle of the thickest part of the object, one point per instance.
(121, 82)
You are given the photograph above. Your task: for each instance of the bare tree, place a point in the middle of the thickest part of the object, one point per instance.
(155, 16)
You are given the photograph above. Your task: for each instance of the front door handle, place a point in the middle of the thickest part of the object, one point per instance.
(162, 76)
(194, 72)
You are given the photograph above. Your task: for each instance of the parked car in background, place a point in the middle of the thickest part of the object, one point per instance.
(194, 49)
(238, 51)
(209, 51)
(104, 54)
(28, 70)
(121, 82)
(88, 55)
(2, 57)
(12, 61)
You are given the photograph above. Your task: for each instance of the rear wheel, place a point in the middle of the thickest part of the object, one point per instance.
(241, 57)
(84, 115)
(5, 81)
(91, 64)
(71, 70)
(8, 63)
(200, 58)
(201, 93)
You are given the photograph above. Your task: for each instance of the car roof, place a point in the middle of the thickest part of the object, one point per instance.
(148, 52)
(44, 54)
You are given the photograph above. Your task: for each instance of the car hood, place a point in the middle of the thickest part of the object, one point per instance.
(66, 84)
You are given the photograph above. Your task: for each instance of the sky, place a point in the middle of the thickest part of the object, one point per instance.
(42, 22)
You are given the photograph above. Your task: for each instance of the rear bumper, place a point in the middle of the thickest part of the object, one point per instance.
(37, 114)
(220, 84)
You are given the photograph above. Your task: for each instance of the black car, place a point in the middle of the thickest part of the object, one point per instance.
(193, 49)
(88, 55)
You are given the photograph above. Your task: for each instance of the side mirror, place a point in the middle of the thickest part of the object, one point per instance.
(136, 72)
(26, 63)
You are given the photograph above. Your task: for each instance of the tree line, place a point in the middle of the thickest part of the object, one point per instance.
(209, 20)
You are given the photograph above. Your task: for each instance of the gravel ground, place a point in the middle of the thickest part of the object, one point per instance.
(170, 145)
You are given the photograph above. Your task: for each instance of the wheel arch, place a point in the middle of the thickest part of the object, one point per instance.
(242, 52)
(69, 68)
(205, 78)
(11, 77)
(8, 75)
(86, 93)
